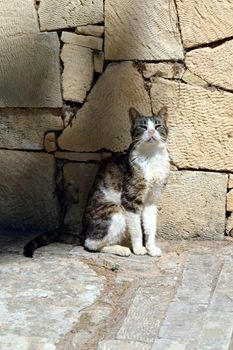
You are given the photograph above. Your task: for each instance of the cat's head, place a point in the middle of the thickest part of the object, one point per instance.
(149, 130)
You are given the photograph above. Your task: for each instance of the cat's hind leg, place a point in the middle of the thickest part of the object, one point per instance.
(110, 243)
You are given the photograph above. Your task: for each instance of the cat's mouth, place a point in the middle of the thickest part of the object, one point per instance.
(152, 139)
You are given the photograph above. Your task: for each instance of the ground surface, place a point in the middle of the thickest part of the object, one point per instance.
(67, 299)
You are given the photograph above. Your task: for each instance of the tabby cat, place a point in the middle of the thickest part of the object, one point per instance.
(123, 200)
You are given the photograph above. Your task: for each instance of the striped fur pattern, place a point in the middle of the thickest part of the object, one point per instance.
(123, 200)
(126, 191)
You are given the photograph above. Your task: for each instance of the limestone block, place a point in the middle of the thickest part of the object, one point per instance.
(165, 70)
(18, 17)
(90, 30)
(103, 121)
(145, 313)
(122, 344)
(215, 65)
(30, 71)
(143, 30)
(200, 122)
(16, 131)
(28, 200)
(171, 344)
(230, 201)
(193, 206)
(106, 155)
(81, 177)
(193, 79)
(78, 72)
(206, 21)
(230, 181)
(60, 285)
(79, 157)
(82, 40)
(99, 62)
(50, 143)
(229, 227)
(68, 114)
(217, 329)
(61, 14)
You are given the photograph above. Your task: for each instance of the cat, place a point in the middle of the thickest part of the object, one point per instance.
(123, 199)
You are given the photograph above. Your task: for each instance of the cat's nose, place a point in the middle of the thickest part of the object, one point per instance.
(151, 132)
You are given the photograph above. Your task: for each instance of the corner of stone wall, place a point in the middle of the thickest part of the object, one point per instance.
(66, 97)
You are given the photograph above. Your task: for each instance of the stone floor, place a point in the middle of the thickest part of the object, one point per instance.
(67, 299)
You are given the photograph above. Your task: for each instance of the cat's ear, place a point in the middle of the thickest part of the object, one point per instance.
(163, 114)
(133, 114)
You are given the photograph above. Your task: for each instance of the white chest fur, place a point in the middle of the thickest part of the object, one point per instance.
(155, 168)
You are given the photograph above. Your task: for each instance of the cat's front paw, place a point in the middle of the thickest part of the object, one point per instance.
(139, 250)
(154, 251)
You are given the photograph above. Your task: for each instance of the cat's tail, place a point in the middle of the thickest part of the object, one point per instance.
(50, 237)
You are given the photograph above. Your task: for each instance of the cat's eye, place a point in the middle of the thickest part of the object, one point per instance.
(158, 126)
(142, 126)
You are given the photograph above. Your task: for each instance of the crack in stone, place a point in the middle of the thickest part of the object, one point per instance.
(209, 85)
(212, 44)
(178, 23)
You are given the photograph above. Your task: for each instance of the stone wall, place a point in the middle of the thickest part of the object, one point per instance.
(70, 70)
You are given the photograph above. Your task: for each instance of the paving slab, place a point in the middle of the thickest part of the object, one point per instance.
(146, 321)
(68, 298)
(122, 345)
(41, 299)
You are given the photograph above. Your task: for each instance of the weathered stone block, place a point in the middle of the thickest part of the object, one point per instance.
(106, 155)
(79, 157)
(99, 62)
(50, 143)
(230, 181)
(80, 177)
(220, 301)
(90, 30)
(230, 200)
(30, 71)
(28, 199)
(164, 70)
(193, 288)
(18, 17)
(57, 283)
(25, 129)
(146, 312)
(193, 79)
(162, 344)
(193, 206)
(103, 121)
(229, 227)
(55, 14)
(143, 30)
(206, 21)
(82, 40)
(217, 330)
(184, 321)
(68, 114)
(200, 122)
(78, 72)
(122, 345)
(214, 65)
